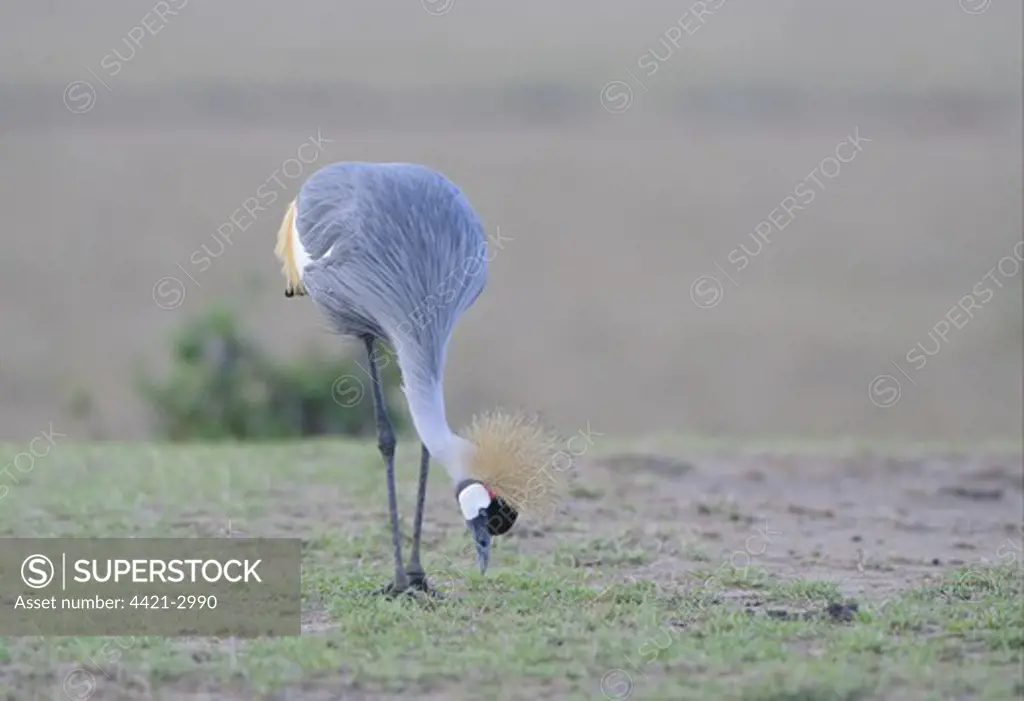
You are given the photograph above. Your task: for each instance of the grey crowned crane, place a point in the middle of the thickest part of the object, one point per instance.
(393, 253)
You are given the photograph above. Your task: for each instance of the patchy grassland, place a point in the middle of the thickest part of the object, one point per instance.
(724, 574)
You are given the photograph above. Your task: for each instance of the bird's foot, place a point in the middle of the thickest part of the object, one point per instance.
(392, 590)
(418, 582)
(415, 583)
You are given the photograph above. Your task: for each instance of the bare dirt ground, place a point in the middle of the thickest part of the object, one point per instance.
(875, 524)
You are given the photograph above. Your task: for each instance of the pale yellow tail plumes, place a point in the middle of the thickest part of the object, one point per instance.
(285, 253)
(520, 460)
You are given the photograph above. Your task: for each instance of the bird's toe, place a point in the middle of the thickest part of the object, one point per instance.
(392, 590)
(418, 582)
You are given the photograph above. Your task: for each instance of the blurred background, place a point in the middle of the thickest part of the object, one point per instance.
(731, 218)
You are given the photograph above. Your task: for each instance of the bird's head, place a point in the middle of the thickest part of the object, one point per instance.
(486, 514)
(511, 465)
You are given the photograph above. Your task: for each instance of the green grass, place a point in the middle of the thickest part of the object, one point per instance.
(561, 614)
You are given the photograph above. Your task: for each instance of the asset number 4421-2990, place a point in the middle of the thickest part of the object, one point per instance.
(180, 601)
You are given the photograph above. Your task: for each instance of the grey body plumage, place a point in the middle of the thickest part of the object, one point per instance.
(398, 253)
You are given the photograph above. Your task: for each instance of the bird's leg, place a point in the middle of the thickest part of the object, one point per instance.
(417, 577)
(386, 443)
(415, 570)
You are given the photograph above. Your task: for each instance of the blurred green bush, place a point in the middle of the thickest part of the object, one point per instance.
(221, 385)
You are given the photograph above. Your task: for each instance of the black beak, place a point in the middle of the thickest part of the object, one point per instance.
(481, 539)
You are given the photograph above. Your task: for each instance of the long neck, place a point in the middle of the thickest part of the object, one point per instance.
(425, 397)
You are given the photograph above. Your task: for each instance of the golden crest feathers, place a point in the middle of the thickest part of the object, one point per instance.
(519, 459)
(285, 253)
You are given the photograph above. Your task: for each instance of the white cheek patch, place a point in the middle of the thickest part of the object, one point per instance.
(472, 499)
